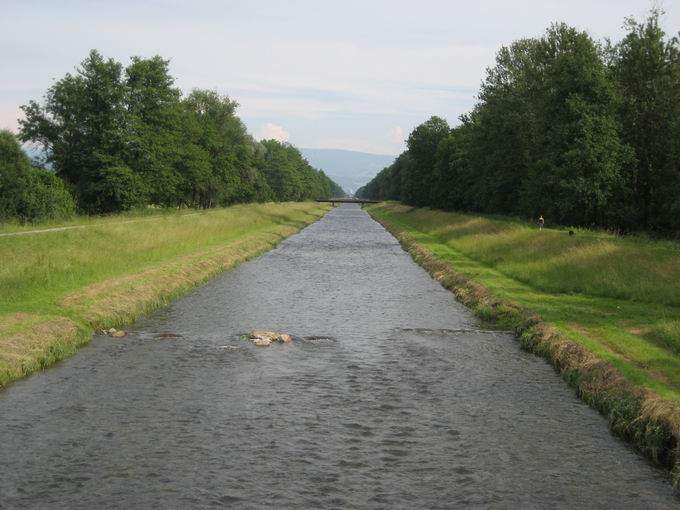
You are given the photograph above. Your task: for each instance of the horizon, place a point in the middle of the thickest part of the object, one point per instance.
(342, 77)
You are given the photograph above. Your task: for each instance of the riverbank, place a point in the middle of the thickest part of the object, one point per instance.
(602, 309)
(59, 286)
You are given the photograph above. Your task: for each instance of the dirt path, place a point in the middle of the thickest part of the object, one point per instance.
(73, 227)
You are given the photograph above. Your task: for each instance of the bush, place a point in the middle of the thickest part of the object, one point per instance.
(28, 193)
(118, 189)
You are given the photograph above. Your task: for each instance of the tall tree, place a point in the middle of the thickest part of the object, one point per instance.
(506, 128)
(646, 68)
(154, 133)
(422, 146)
(83, 125)
(583, 158)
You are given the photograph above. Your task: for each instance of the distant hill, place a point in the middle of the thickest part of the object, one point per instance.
(350, 169)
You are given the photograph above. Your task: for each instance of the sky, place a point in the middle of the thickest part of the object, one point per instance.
(357, 75)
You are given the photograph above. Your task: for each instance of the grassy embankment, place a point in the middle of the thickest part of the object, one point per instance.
(604, 310)
(56, 288)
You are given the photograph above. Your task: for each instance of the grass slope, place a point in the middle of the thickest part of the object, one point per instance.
(593, 294)
(57, 287)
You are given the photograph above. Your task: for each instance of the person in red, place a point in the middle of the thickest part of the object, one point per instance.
(541, 222)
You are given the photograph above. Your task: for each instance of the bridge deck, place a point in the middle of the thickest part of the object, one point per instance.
(348, 201)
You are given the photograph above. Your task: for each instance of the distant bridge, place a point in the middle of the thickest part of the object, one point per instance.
(342, 200)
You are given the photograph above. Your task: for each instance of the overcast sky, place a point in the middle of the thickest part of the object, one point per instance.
(324, 74)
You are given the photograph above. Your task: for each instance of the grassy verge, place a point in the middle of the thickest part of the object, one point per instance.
(149, 214)
(602, 309)
(57, 287)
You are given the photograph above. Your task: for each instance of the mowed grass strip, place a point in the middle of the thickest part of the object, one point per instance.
(56, 287)
(619, 297)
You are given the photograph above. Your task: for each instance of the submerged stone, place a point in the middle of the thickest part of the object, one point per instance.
(262, 342)
(271, 335)
(113, 332)
(266, 338)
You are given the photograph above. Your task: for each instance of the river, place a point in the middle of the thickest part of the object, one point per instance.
(391, 396)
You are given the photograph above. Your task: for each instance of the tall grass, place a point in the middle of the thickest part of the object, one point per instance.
(36, 269)
(552, 260)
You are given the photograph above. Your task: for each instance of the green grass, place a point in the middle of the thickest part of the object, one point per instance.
(149, 213)
(37, 269)
(55, 287)
(619, 297)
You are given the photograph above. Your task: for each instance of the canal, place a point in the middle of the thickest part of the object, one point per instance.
(391, 396)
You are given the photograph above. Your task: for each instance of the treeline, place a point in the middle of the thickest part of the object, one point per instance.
(120, 138)
(584, 133)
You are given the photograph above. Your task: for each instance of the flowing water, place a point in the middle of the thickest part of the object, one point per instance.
(391, 396)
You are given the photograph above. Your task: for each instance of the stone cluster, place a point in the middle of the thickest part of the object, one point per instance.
(266, 338)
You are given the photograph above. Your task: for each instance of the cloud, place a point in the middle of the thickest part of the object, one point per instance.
(396, 135)
(273, 131)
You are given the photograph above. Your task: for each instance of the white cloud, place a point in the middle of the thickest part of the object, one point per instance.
(273, 131)
(396, 135)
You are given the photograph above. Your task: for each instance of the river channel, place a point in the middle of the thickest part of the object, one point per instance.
(391, 396)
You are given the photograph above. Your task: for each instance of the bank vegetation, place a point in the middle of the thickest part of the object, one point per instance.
(603, 309)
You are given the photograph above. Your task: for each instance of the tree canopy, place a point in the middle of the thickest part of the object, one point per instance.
(126, 137)
(581, 132)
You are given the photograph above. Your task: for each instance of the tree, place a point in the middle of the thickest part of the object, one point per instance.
(422, 146)
(450, 178)
(153, 104)
(646, 68)
(127, 139)
(543, 138)
(26, 192)
(83, 125)
(583, 157)
(506, 129)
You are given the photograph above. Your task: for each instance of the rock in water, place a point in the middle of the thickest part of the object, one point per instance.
(118, 333)
(262, 342)
(263, 334)
(265, 338)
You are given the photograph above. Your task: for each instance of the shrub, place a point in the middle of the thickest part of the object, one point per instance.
(28, 193)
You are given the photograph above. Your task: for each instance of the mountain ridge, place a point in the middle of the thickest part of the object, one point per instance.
(350, 169)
